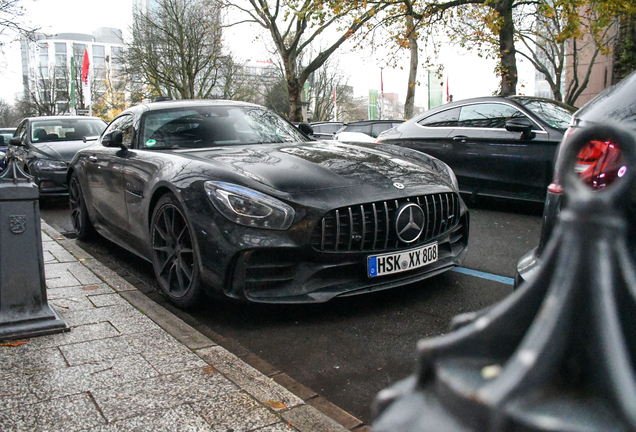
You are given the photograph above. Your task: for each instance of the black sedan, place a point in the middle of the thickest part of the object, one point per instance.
(45, 145)
(497, 146)
(599, 164)
(228, 198)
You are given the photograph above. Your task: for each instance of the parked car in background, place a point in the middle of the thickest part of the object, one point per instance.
(325, 130)
(599, 164)
(497, 146)
(45, 145)
(230, 199)
(5, 135)
(364, 130)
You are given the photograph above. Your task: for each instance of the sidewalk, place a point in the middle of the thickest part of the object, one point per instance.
(129, 364)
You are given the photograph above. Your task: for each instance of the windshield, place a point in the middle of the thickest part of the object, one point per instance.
(556, 115)
(206, 126)
(65, 129)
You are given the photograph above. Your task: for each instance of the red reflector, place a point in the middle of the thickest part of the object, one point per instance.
(555, 188)
(599, 164)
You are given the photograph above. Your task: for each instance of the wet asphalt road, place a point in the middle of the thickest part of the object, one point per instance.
(348, 349)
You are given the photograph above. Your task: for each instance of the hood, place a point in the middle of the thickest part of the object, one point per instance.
(321, 165)
(60, 150)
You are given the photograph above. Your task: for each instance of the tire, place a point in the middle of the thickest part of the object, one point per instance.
(174, 254)
(84, 229)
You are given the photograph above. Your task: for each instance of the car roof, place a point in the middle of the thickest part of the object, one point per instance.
(366, 122)
(63, 118)
(185, 103)
(614, 104)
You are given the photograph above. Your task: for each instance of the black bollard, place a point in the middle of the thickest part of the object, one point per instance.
(24, 310)
(559, 353)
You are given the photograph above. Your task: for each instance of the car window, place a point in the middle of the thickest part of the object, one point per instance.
(378, 128)
(125, 125)
(325, 129)
(365, 129)
(488, 115)
(60, 129)
(555, 115)
(447, 118)
(203, 126)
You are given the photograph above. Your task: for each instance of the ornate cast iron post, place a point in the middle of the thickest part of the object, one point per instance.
(558, 354)
(24, 310)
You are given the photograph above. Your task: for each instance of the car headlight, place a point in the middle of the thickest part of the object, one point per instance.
(248, 207)
(50, 165)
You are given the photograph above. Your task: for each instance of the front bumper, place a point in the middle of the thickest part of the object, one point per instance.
(302, 275)
(51, 183)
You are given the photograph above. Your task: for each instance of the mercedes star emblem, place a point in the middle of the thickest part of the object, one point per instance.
(398, 185)
(409, 222)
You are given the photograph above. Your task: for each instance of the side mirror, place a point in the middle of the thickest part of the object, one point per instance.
(305, 128)
(16, 142)
(522, 125)
(114, 139)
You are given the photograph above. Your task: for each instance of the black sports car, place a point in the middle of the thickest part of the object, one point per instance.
(45, 145)
(229, 197)
(497, 146)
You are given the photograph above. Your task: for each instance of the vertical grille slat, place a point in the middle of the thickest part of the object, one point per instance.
(370, 226)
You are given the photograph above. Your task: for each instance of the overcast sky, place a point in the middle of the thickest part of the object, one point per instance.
(468, 75)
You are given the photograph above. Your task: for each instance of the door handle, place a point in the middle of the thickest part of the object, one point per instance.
(92, 158)
(460, 138)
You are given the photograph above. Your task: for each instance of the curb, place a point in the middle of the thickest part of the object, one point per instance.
(316, 414)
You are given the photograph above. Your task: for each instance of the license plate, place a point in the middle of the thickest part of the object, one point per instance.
(396, 262)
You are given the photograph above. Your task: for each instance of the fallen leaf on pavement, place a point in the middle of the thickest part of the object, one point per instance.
(90, 287)
(13, 343)
(276, 405)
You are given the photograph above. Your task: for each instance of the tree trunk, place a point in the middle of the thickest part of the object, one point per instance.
(507, 49)
(295, 106)
(410, 92)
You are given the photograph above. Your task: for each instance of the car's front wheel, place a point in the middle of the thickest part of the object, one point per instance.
(82, 225)
(174, 256)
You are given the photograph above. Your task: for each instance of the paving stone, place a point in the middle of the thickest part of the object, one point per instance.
(238, 412)
(83, 333)
(78, 291)
(155, 341)
(14, 391)
(66, 414)
(91, 376)
(71, 303)
(103, 300)
(69, 274)
(100, 349)
(178, 419)
(54, 252)
(163, 392)
(278, 427)
(24, 359)
(174, 361)
(262, 388)
(306, 418)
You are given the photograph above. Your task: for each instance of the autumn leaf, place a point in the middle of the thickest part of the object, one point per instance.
(90, 287)
(13, 343)
(276, 405)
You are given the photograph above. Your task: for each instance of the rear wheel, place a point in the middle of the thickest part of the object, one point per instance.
(82, 225)
(174, 256)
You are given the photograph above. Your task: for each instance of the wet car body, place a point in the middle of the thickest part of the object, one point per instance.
(343, 199)
(45, 145)
(5, 135)
(497, 146)
(615, 105)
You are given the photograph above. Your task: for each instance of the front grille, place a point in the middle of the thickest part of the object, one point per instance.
(370, 226)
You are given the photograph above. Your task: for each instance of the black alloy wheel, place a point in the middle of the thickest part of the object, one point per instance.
(174, 256)
(82, 225)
